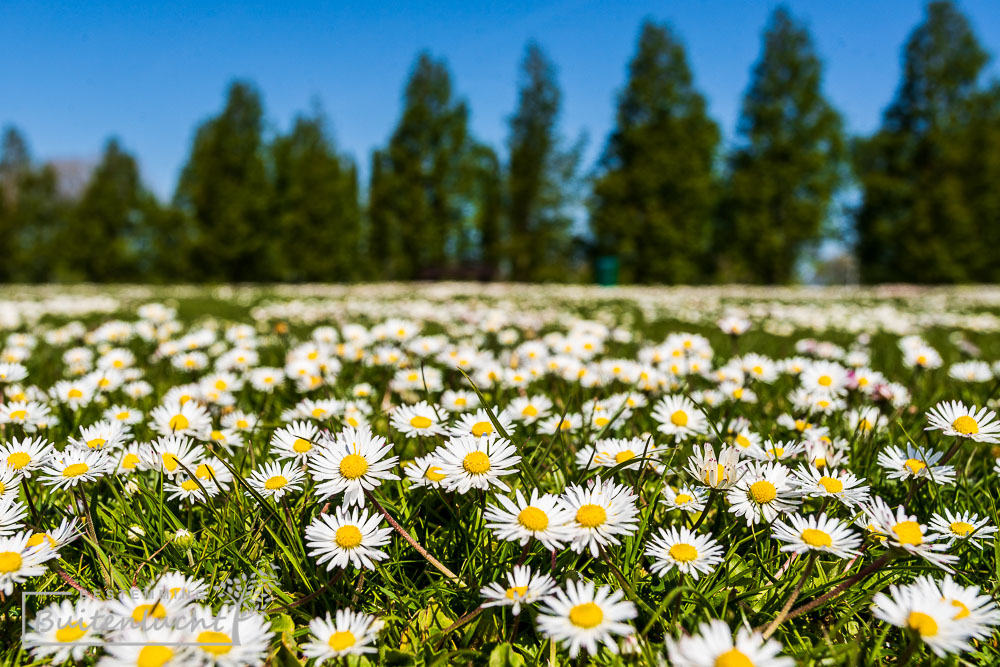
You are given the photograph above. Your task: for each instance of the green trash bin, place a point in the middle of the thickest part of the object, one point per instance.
(607, 270)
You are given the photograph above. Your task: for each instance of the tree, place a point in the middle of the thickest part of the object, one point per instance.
(414, 204)
(656, 193)
(315, 206)
(789, 164)
(225, 190)
(15, 165)
(103, 241)
(923, 174)
(541, 175)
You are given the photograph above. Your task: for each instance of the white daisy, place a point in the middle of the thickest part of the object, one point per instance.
(297, 441)
(180, 419)
(684, 549)
(840, 485)
(816, 533)
(274, 479)
(921, 608)
(915, 463)
(476, 463)
(964, 527)
(75, 466)
(762, 493)
(775, 450)
(172, 455)
(567, 423)
(348, 633)
(234, 637)
(12, 513)
(424, 471)
(904, 531)
(721, 473)
(600, 511)
(529, 409)
(523, 587)
(63, 630)
(479, 424)
(585, 616)
(349, 536)
(352, 463)
(685, 498)
(417, 420)
(541, 516)
(713, 645)
(953, 418)
(679, 417)
(19, 562)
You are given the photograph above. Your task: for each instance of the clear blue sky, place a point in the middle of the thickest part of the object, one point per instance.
(75, 73)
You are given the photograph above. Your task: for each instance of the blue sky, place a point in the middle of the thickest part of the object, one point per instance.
(75, 73)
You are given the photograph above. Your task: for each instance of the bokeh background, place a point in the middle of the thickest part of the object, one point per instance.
(575, 141)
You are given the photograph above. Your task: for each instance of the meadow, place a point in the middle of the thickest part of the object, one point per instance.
(499, 475)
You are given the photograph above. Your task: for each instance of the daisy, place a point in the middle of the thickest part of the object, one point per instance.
(68, 530)
(479, 425)
(612, 452)
(964, 527)
(75, 466)
(147, 647)
(714, 646)
(541, 517)
(776, 450)
(843, 485)
(476, 463)
(179, 585)
(459, 401)
(921, 608)
(123, 414)
(9, 479)
(417, 420)
(974, 610)
(12, 513)
(568, 423)
(734, 325)
(103, 435)
(63, 630)
(899, 529)
(954, 419)
(971, 371)
(915, 463)
(145, 610)
(679, 417)
(239, 420)
(234, 637)
(29, 415)
(180, 419)
(425, 471)
(74, 394)
(684, 549)
(762, 493)
(190, 491)
(923, 356)
(523, 587)
(19, 562)
(865, 421)
(686, 498)
(275, 479)
(353, 463)
(816, 533)
(172, 455)
(348, 633)
(296, 441)
(600, 511)
(719, 473)
(349, 536)
(584, 616)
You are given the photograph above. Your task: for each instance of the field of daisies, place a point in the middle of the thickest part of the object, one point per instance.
(499, 475)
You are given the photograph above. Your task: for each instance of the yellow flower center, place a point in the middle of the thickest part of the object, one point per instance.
(318, 412)
(204, 471)
(189, 485)
(591, 516)
(516, 592)
(720, 475)
(922, 623)
(170, 461)
(825, 380)
(816, 538)
(18, 460)
(565, 425)
(601, 421)
(341, 640)
(155, 610)
(533, 519)
(742, 441)
(683, 553)
(37, 538)
(763, 491)
(10, 561)
(19, 415)
(353, 466)
(776, 452)
(801, 425)
(961, 528)
(301, 445)
(820, 462)
(217, 436)
(586, 615)
(434, 474)
(679, 418)
(908, 532)
(758, 370)
(476, 463)
(71, 632)
(479, 429)
(178, 423)
(733, 658)
(460, 401)
(74, 393)
(831, 485)
(420, 422)
(276, 482)
(348, 537)
(963, 611)
(75, 469)
(682, 499)
(223, 642)
(915, 465)
(96, 443)
(242, 423)
(122, 416)
(129, 461)
(154, 656)
(865, 425)
(529, 411)
(965, 425)
(622, 457)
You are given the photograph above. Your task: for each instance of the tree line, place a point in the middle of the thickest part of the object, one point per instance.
(667, 202)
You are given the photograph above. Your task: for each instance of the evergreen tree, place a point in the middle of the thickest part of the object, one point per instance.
(315, 206)
(922, 173)
(790, 162)
(15, 165)
(488, 194)
(224, 189)
(102, 242)
(655, 195)
(540, 177)
(414, 212)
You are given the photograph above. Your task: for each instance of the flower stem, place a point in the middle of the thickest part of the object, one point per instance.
(791, 598)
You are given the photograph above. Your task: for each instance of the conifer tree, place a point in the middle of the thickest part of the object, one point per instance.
(789, 162)
(655, 194)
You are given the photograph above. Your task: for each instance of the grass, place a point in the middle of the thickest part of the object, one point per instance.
(433, 619)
